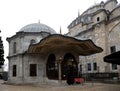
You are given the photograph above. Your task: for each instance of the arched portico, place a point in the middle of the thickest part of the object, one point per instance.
(62, 52)
(52, 65)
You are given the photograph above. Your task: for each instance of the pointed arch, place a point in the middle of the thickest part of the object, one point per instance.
(114, 33)
(114, 27)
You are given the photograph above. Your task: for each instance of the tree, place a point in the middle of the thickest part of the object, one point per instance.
(1, 53)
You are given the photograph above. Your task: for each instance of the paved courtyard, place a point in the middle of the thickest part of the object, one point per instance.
(76, 87)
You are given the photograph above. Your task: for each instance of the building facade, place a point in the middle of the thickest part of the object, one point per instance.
(101, 24)
(38, 55)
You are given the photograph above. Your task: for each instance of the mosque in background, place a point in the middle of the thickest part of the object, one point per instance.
(38, 55)
(101, 24)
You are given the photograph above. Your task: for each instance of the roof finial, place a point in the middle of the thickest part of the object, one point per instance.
(60, 30)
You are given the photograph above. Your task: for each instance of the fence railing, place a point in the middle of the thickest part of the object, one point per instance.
(99, 76)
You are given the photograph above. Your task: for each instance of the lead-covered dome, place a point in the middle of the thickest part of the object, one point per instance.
(37, 27)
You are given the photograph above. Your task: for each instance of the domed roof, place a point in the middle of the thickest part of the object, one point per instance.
(37, 27)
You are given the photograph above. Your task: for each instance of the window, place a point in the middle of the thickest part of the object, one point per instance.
(32, 41)
(14, 47)
(81, 67)
(95, 66)
(14, 70)
(33, 70)
(112, 36)
(114, 66)
(108, 17)
(98, 19)
(89, 19)
(89, 66)
(82, 20)
(113, 49)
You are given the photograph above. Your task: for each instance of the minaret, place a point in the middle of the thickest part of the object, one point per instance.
(94, 2)
(78, 13)
(60, 30)
(38, 21)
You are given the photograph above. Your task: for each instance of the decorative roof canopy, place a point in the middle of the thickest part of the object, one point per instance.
(60, 42)
(113, 58)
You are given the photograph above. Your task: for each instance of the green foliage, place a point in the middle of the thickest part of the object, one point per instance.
(1, 53)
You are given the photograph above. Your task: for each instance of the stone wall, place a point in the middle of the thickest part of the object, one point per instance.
(104, 32)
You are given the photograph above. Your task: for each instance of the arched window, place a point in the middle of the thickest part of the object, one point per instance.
(98, 19)
(32, 41)
(14, 47)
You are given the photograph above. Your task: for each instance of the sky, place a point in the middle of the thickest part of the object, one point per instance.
(15, 14)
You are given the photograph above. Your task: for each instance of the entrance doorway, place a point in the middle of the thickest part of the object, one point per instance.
(69, 62)
(51, 67)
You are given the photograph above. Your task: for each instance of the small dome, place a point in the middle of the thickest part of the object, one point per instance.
(37, 27)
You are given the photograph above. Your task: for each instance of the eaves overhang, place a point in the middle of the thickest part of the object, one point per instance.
(58, 42)
(113, 58)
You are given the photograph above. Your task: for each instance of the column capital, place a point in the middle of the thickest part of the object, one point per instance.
(59, 60)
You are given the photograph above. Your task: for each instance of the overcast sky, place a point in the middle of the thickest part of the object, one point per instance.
(15, 14)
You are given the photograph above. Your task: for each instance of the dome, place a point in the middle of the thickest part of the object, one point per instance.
(37, 27)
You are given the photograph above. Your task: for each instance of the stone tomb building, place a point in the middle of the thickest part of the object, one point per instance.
(38, 55)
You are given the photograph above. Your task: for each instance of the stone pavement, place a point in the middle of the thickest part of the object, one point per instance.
(75, 87)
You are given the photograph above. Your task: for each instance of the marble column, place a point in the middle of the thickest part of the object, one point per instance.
(59, 71)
